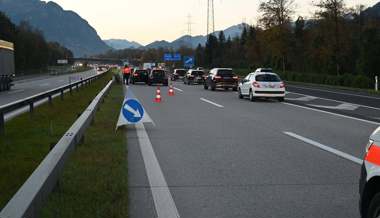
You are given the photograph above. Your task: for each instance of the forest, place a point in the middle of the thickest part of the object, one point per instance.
(32, 51)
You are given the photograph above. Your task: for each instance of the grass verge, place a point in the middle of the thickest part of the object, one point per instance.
(94, 181)
(28, 138)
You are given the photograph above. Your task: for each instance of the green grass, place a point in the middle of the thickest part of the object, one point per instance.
(28, 138)
(94, 182)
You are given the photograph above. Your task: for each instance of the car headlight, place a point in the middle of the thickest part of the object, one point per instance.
(370, 143)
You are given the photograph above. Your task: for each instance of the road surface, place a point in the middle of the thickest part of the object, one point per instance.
(32, 86)
(220, 156)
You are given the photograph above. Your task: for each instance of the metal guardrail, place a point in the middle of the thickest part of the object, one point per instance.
(30, 101)
(29, 198)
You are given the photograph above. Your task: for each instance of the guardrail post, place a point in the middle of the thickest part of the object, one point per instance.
(2, 123)
(71, 90)
(50, 100)
(62, 95)
(31, 107)
(376, 83)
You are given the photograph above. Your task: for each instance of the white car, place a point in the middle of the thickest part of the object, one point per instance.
(262, 85)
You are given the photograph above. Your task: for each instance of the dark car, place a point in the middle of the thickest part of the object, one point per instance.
(194, 77)
(221, 78)
(158, 76)
(139, 76)
(178, 74)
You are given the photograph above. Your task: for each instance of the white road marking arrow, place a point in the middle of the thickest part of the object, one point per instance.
(344, 106)
(136, 113)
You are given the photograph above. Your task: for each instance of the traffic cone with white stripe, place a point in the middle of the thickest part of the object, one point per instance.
(158, 95)
(171, 90)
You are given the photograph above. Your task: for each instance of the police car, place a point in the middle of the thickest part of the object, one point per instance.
(265, 84)
(370, 179)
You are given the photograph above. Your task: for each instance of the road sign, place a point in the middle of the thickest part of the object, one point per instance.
(188, 61)
(172, 57)
(133, 111)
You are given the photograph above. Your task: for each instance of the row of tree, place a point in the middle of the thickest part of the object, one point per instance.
(337, 41)
(32, 51)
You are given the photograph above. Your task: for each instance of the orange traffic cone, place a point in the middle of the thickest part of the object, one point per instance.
(171, 91)
(158, 95)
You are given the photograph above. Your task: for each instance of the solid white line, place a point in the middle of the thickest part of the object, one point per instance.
(178, 89)
(328, 99)
(340, 93)
(335, 114)
(163, 200)
(210, 102)
(325, 148)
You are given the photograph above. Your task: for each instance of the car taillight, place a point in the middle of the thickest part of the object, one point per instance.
(235, 77)
(282, 85)
(256, 85)
(217, 77)
(135, 74)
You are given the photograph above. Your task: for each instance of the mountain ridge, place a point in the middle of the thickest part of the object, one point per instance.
(59, 25)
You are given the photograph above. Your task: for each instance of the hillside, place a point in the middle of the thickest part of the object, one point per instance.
(65, 27)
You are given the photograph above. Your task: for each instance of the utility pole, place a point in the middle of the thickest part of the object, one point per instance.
(210, 17)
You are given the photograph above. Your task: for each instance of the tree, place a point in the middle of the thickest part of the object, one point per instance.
(276, 12)
(276, 18)
(332, 11)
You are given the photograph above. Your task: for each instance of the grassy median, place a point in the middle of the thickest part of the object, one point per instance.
(28, 138)
(94, 182)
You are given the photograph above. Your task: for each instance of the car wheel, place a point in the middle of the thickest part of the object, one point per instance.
(240, 95)
(205, 87)
(282, 99)
(226, 89)
(374, 207)
(234, 89)
(251, 97)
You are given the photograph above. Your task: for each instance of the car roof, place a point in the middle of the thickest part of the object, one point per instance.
(222, 69)
(263, 73)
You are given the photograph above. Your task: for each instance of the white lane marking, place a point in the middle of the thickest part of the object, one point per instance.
(341, 93)
(335, 114)
(305, 98)
(325, 148)
(163, 200)
(45, 84)
(180, 90)
(15, 91)
(346, 106)
(328, 99)
(210, 102)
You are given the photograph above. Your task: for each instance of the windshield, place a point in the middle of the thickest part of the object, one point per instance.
(225, 73)
(181, 72)
(189, 108)
(197, 73)
(268, 78)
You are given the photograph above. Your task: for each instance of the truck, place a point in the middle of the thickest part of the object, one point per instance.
(7, 65)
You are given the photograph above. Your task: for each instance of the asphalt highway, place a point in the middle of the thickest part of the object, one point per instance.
(226, 157)
(24, 88)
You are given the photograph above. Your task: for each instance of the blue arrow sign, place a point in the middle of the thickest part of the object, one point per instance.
(188, 61)
(133, 111)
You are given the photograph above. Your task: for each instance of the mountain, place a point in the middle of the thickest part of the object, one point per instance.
(373, 12)
(121, 44)
(194, 41)
(158, 44)
(65, 27)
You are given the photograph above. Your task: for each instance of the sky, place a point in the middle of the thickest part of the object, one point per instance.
(145, 21)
